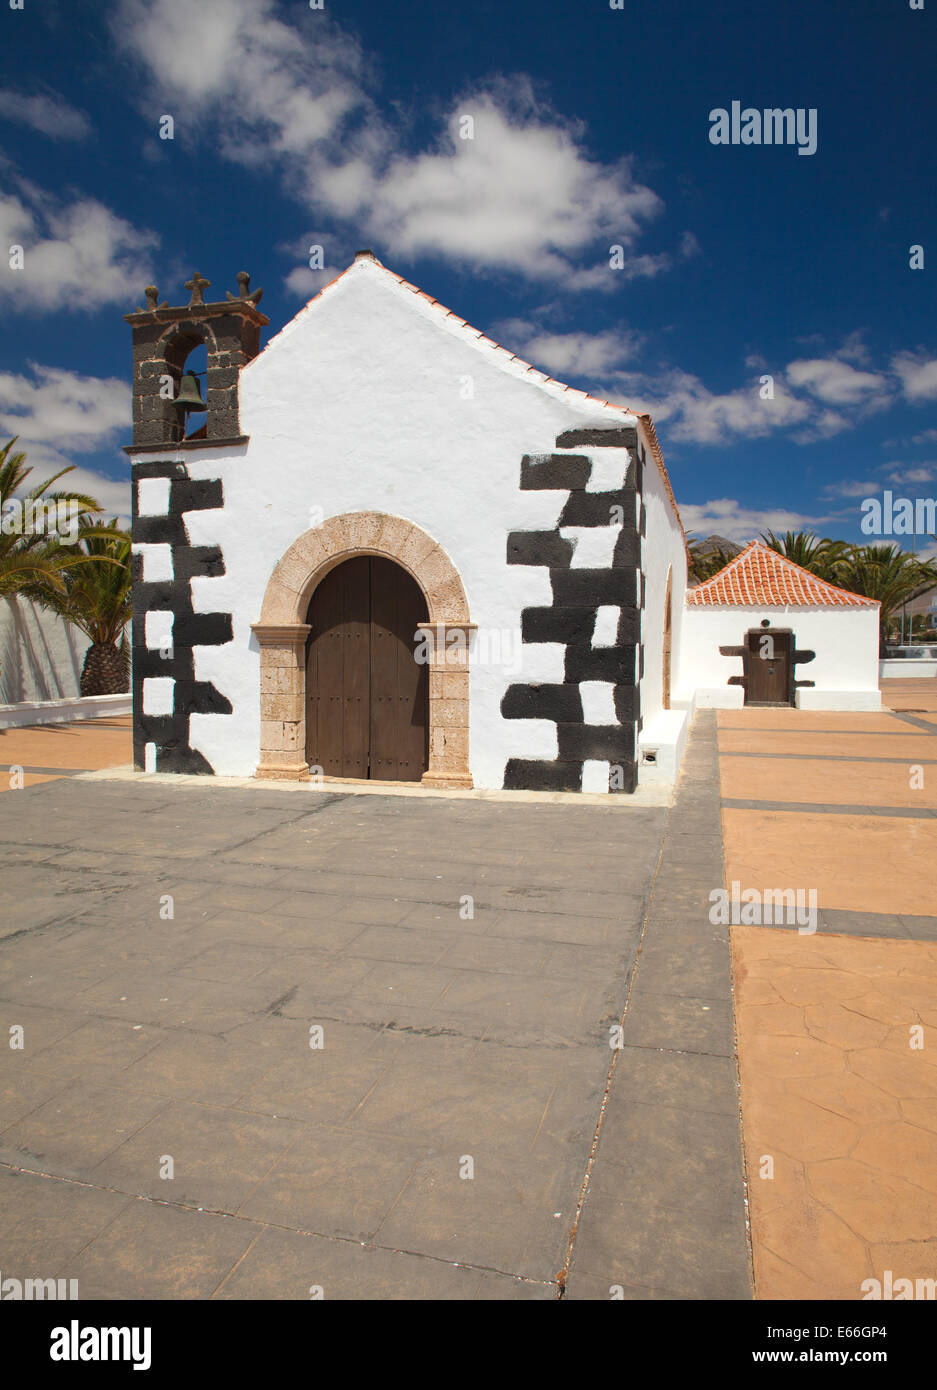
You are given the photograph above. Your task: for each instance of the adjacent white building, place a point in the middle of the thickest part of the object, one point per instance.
(764, 631)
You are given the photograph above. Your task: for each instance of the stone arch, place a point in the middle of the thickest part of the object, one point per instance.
(282, 632)
(170, 354)
(193, 331)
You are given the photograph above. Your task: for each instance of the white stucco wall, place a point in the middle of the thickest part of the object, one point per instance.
(664, 551)
(41, 656)
(845, 641)
(370, 400)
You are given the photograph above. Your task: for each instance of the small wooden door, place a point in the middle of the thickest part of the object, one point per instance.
(366, 696)
(768, 668)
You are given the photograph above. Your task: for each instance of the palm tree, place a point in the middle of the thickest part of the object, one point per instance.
(822, 557)
(30, 557)
(886, 573)
(97, 599)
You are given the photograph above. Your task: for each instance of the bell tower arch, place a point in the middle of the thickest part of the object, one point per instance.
(163, 339)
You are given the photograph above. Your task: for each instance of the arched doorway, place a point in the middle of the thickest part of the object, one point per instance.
(282, 631)
(367, 698)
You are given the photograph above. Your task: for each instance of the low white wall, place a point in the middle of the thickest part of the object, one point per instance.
(839, 699)
(63, 711)
(663, 740)
(910, 668)
(845, 641)
(663, 552)
(40, 655)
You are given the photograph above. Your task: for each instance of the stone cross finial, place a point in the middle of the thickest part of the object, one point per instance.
(197, 284)
(244, 283)
(152, 296)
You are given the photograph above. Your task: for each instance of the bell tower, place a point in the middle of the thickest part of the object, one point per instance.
(163, 339)
(170, 627)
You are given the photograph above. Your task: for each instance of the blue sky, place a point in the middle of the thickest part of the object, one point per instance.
(342, 128)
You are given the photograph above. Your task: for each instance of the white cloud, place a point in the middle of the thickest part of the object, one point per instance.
(50, 115)
(522, 194)
(293, 84)
(78, 255)
(804, 393)
(697, 414)
(919, 473)
(582, 354)
(57, 413)
(838, 384)
(689, 246)
(726, 517)
(917, 374)
(694, 412)
(306, 283)
(848, 487)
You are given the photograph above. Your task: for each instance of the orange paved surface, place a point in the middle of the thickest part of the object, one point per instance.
(840, 784)
(863, 863)
(85, 747)
(886, 743)
(835, 1095)
(805, 721)
(832, 1091)
(910, 694)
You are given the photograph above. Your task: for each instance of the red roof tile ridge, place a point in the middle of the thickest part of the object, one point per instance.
(783, 582)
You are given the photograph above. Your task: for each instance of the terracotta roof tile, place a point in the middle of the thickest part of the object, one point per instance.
(759, 577)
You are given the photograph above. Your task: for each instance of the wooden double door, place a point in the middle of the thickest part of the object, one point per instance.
(367, 698)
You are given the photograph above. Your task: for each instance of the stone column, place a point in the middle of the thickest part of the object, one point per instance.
(448, 704)
(282, 700)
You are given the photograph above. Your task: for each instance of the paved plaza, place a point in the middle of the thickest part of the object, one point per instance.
(274, 1040)
(467, 1129)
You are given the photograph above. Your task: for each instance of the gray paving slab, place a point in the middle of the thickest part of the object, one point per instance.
(45, 1223)
(824, 757)
(513, 1215)
(920, 928)
(73, 1132)
(151, 1250)
(292, 1265)
(830, 808)
(903, 926)
(663, 1207)
(922, 724)
(336, 920)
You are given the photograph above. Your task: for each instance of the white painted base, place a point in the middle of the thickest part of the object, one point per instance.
(839, 699)
(664, 739)
(63, 711)
(908, 669)
(717, 697)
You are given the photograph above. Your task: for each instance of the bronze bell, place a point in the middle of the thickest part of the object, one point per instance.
(190, 395)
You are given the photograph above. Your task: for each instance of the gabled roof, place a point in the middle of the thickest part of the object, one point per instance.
(366, 261)
(761, 578)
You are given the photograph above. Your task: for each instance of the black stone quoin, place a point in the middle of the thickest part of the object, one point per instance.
(570, 620)
(170, 732)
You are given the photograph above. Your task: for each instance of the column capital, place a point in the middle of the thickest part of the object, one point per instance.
(280, 634)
